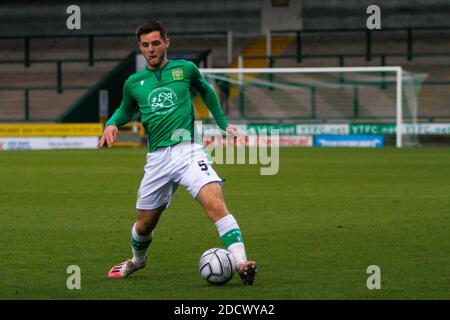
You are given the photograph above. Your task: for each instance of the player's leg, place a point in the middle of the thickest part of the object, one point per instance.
(196, 174)
(141, 238)
(142, 233)
(211, 198)
(154, 196)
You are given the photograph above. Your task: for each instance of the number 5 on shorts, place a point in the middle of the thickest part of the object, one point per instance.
(203, 166)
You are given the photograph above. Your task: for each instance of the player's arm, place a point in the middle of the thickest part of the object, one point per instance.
(211, 100)
(120, 117)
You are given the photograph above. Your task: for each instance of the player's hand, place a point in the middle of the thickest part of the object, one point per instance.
(232, 129)
(109, 136)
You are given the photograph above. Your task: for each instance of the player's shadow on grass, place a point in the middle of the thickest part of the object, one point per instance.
(203, 284)
(197, 285)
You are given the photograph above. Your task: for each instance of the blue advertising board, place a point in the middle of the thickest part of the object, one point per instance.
(362, 141)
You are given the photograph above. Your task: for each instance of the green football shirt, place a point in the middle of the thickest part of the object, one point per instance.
(164, 99)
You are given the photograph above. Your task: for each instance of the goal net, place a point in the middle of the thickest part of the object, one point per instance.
(354, 95)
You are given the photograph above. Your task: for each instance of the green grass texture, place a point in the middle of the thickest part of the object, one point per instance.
(314, 228)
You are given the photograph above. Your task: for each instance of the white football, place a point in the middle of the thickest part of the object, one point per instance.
(217, 266)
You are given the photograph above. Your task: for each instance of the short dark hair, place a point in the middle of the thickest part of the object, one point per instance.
(150, 26)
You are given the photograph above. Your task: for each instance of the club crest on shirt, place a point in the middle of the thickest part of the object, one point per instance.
(177, 74)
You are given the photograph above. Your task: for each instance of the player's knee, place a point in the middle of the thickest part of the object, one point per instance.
(217, 206)
(144, 226)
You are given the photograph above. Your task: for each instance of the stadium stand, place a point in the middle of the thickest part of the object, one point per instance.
(45, 102)
(430, 56)
(77, 75)
(54, 87)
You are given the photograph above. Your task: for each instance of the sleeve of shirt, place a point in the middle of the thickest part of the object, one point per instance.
(126, 109)
(209, 96)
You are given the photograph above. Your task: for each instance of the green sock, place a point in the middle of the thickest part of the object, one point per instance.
(232, 239)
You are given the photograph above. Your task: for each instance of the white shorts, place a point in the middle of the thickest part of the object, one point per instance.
(185, 164)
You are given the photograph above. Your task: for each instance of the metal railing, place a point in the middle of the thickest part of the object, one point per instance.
(339, 57)
(59, 68)
(409, 32)
(60, 87)
(26, 98)
(299, 55)
(240, 102)
(91, 55)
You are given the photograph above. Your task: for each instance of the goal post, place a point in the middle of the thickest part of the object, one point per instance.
(335, 82)
(399, 110)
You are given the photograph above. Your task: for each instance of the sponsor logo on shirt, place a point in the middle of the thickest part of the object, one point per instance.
(161, 100)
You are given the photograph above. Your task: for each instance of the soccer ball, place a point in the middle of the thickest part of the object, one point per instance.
(217, 266)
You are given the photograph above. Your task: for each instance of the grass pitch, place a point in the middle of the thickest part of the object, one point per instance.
(314, 228)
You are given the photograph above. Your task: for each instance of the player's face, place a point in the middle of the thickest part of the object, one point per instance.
(154, 48)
